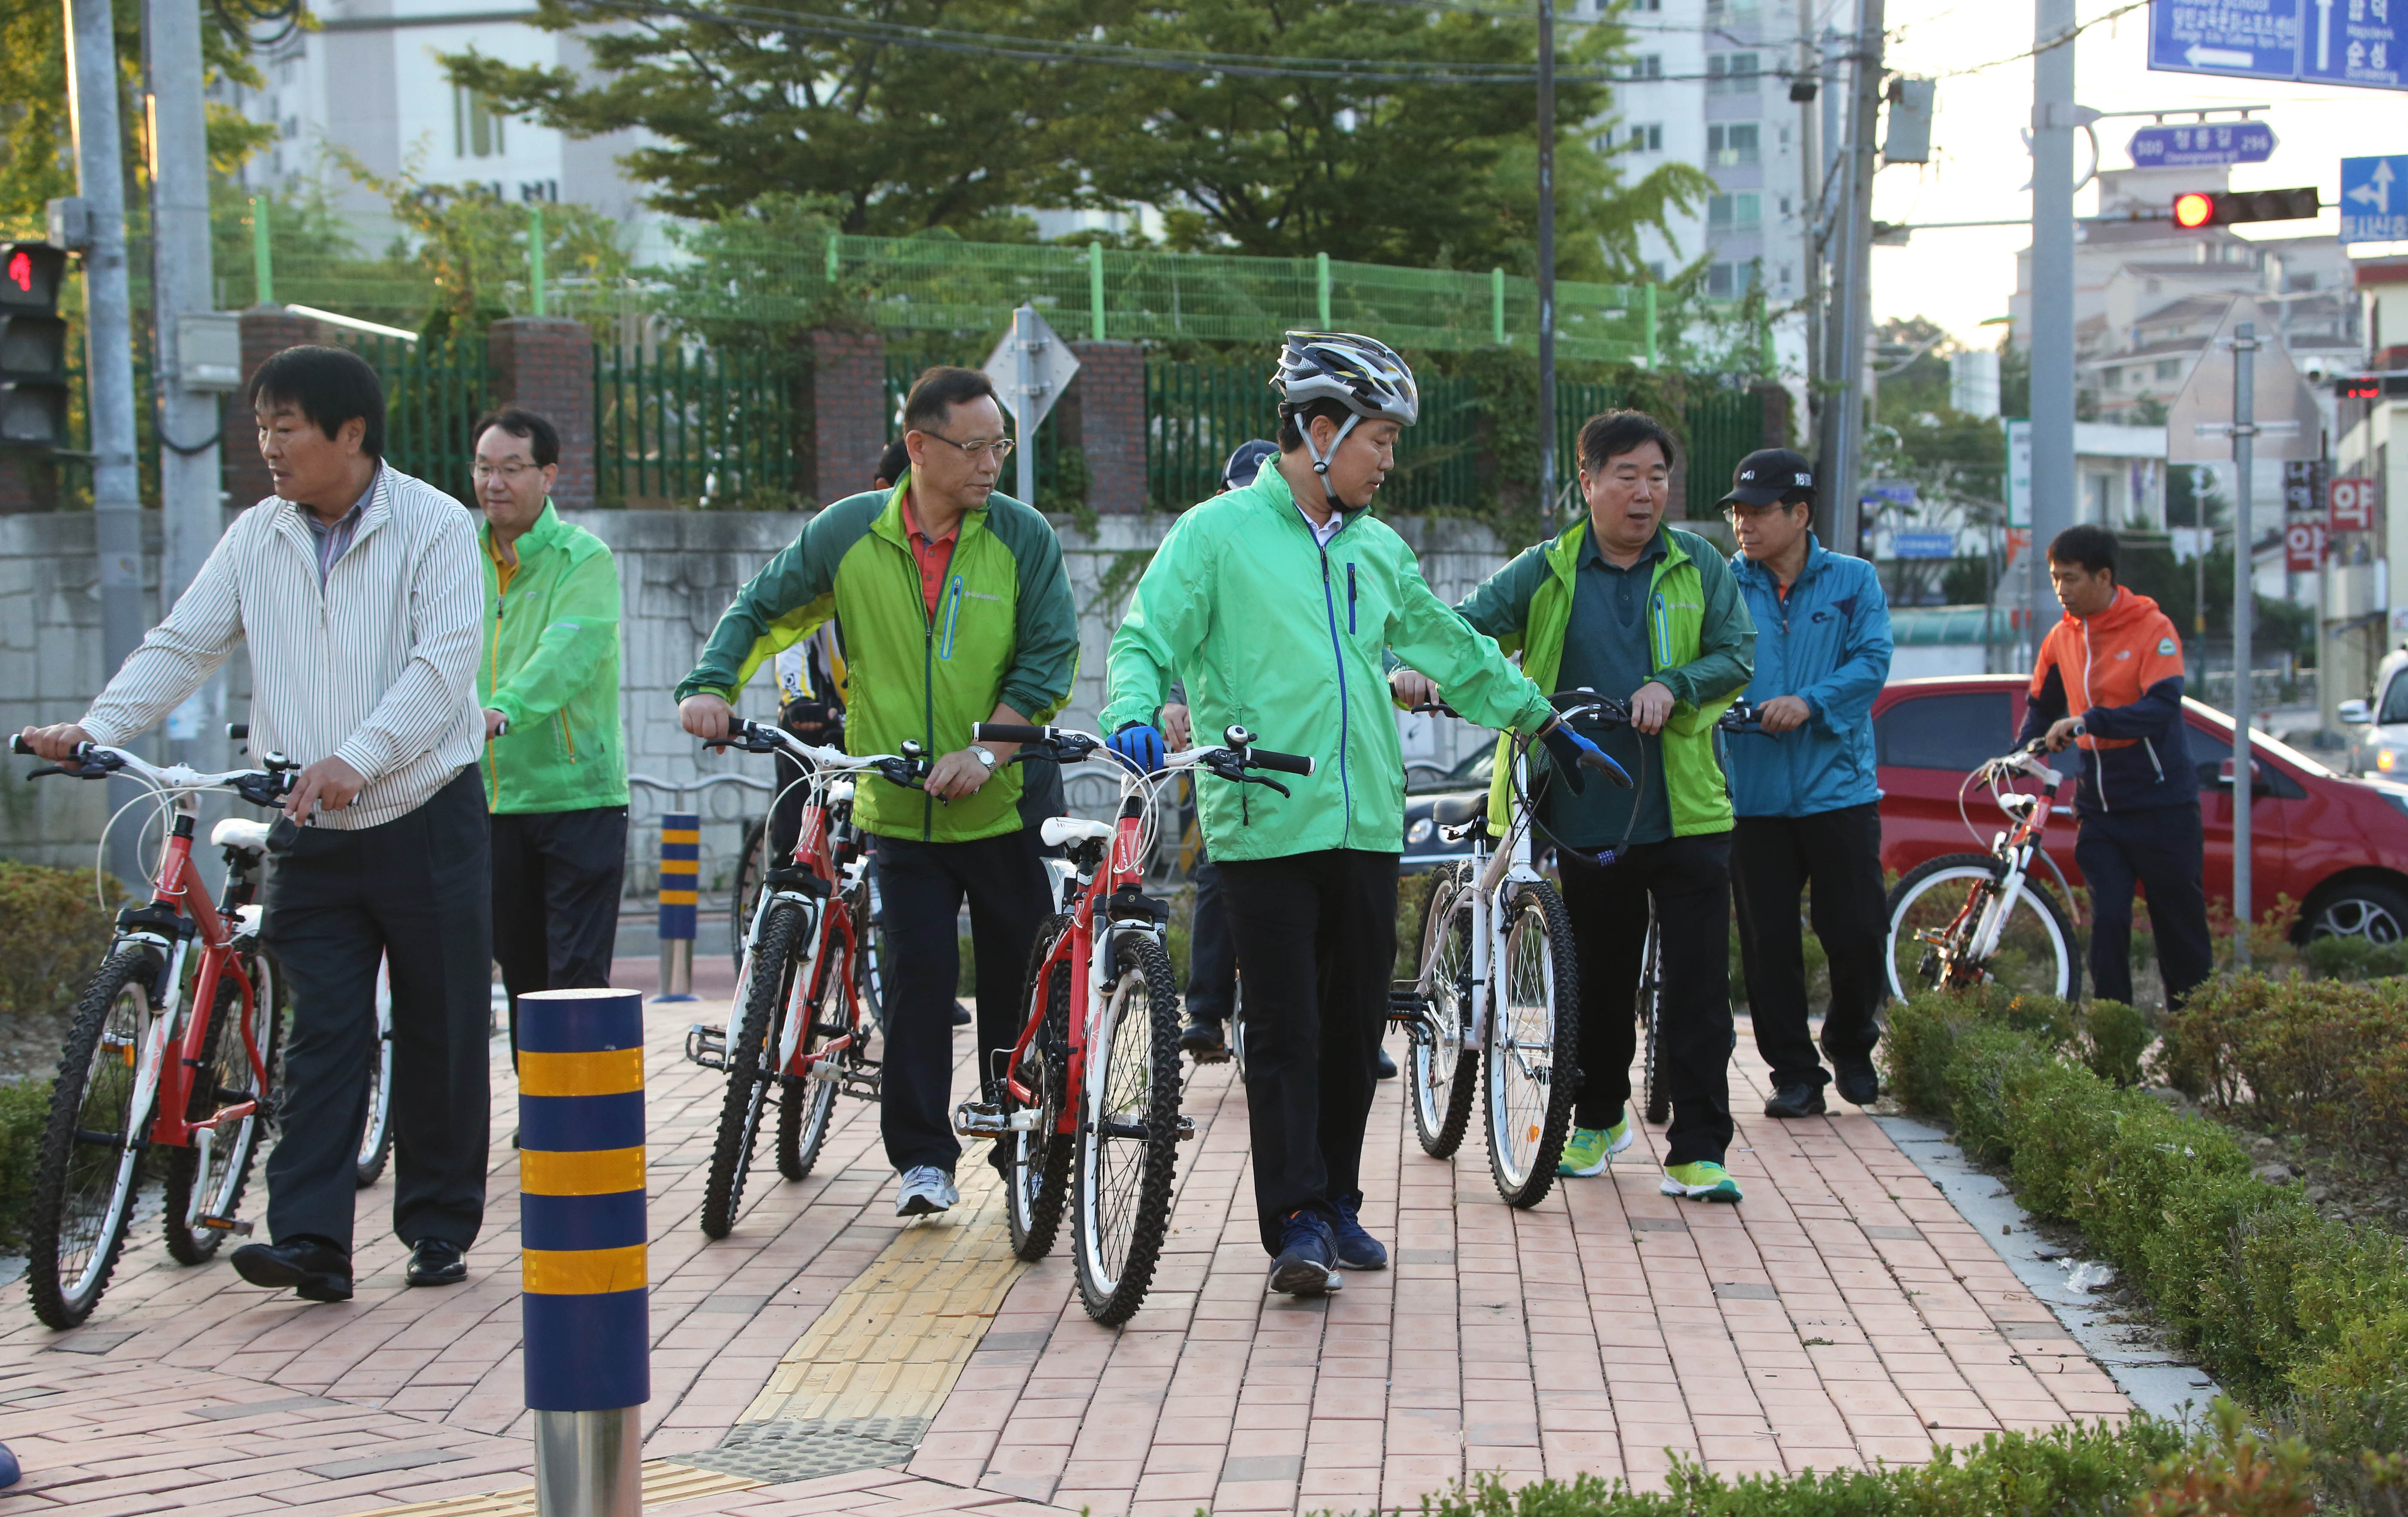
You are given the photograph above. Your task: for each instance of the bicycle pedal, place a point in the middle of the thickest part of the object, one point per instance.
(980, 1119)
(706, 1046)
(240, 1228)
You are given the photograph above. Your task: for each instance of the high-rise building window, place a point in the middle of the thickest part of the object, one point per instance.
(1645, 66)
(1730, 73)
(2169, 368)
(1730, 281)
(1647, 139)
(1729, 144)
(1734, 212)
(476, 130)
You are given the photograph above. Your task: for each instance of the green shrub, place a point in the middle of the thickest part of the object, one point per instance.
(2114, 1036)
(2354, 958)
(1986, 1061)
(52, 931)
(2325, 1059)
(24, 1108)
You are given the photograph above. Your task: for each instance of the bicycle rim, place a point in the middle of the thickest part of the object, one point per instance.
(1128, 1134)
(2035, 953)
(1531, 1070)
(83, 1182)
(207, 1180)
(1442, 1077)
(375, 1136)
(749, 1075)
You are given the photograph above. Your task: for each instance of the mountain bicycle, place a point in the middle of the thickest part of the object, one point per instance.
(1499, 979)
(173, 1048)
(743, 897)
(1086, 1101)
(802, 1022)
(1969, 919)
(375, 1133)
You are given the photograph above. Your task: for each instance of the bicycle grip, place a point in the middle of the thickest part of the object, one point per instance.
(17, 743)
(1263, 758)
(1009, 732)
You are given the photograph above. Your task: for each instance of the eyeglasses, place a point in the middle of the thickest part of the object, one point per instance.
(999, 449)
(509, 473)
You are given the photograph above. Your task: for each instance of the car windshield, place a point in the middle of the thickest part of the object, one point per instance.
(2395, 700)
(2260, 742)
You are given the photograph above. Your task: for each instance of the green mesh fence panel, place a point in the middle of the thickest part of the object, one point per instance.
(1725, 426)
(700, 428)
(432, 392)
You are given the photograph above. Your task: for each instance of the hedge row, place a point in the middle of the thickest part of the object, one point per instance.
(2306, 1317)
(2327, 1060)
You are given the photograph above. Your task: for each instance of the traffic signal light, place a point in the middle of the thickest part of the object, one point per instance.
(33, 347)
(2370, 386)
(2229, 208)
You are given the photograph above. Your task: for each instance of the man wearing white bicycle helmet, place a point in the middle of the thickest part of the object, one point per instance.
(1276, 603)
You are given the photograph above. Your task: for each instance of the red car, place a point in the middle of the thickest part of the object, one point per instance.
(2338, 846)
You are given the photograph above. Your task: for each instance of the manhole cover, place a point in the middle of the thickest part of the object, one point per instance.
(785, 1450)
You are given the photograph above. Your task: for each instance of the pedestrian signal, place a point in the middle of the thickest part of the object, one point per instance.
(33, 347)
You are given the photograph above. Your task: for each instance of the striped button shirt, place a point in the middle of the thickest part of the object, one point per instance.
(377, 667)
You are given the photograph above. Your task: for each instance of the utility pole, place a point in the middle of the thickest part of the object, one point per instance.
(180, 283)
(1810, 195)
(2052, 299)
(1547, 267)
(1851, 343)
(108, 357)
(2244, 787)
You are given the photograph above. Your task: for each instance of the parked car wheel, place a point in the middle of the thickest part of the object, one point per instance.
(2368, 909)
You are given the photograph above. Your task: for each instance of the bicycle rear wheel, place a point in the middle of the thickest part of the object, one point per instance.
(752, 1055)
(1036, 1175)
(206, 1180)
(1128, 1133)
(804, 1109)
(1533, 1043)
(1444, 1082)
(2036, 951)
(1658, 1089)
(86, 1168)
(376, 1133)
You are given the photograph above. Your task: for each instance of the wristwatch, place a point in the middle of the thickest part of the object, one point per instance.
(985, 756)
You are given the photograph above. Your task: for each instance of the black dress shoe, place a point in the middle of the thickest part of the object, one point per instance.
(434, 1261)
(1803, 1099)
(1202, 1040)
(311, 1268)
(962, 1017)
(1859, 1084)
(1387, 1065)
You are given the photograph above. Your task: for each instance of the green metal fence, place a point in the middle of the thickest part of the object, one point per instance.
(434, 390)
(1197, 414)
(1719, 428)
(698, 427)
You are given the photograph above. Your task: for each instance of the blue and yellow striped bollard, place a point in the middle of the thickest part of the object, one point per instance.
(680, 871)
(586, 1306)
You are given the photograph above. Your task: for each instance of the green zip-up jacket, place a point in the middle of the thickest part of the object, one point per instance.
(552, 668)
(1005, 630)
(1285, 638)
(1701, 643)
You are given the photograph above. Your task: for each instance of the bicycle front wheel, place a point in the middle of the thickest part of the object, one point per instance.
(752, 863)
(88, 1163)
(1128, 1133)
(1658, 1090)
(1936, 910)
(1443, 1080)
(376, 1133)
(206, 1181)
(1038, 1174)
(1533, 1043)
(751, 1056)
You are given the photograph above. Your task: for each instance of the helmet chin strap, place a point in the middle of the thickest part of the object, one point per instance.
(1320, 461)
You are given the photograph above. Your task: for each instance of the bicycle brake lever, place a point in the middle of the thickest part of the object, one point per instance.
(1258, 779)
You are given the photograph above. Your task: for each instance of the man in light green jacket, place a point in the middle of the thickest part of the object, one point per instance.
(556, 757)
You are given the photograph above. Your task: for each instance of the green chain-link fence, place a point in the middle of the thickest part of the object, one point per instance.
(434, 390)
(1197, 414)
(714, 428)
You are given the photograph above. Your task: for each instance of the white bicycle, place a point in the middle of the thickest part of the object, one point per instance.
(376, 1133)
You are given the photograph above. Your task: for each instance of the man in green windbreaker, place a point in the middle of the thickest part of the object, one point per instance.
(555, 758)
(955, 610)
(1276, 603)
(1623, 605)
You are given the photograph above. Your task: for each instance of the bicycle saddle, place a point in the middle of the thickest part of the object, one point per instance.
(234, 832)
(1058, 830)
(1454, 811)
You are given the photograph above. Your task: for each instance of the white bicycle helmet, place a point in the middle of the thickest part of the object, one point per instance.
(1362, 374)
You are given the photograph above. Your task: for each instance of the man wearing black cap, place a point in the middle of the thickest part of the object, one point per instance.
(1804, 792)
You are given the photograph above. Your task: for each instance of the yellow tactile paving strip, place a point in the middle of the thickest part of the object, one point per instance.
(664, 1483)
(893, 1341)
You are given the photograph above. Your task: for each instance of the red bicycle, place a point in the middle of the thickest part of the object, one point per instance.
(173, 1048)
(802, 1018)
(1087, 1100)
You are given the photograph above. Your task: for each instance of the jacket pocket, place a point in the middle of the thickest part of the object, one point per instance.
(567, 738)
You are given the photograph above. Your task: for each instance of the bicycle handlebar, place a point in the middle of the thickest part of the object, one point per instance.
(908, 769)
(1067, 745)
(97, 761)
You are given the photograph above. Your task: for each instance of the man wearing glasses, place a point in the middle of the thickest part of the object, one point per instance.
(556, 757)
(955, 610)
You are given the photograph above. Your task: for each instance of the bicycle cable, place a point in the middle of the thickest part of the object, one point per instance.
(1602, 858)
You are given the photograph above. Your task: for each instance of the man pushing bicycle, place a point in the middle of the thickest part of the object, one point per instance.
(1276, 603)
(955, 612)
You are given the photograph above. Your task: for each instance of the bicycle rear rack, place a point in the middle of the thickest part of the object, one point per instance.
(706, 1046)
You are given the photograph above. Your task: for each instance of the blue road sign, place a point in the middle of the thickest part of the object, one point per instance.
(2243, 38)
(2374, 198)
(2207, 143)
(2352, 42)
(1923, 545)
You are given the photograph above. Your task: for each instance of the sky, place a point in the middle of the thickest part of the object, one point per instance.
(1961, 278)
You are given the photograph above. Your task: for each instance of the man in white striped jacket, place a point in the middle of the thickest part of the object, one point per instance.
(356, 589)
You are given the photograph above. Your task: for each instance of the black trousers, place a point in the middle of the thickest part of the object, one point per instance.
(2162, 851)
(1689, 878)
(415, 892)
(1773, 858)
(921, 887)
(1211, 952)
(557, 877)
(1316, 938)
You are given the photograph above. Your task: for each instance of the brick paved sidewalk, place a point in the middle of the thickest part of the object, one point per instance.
(1845, 1314)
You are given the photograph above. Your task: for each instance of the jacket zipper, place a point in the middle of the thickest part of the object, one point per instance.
(1350, 600)
(952, 613)
(2098, 756)
(492, 764)
(1338, 656)
(567, 738)
(927, 680)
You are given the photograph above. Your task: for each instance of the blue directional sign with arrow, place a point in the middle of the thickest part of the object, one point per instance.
(2374, 199)
(2353, 42)
(2206, 143)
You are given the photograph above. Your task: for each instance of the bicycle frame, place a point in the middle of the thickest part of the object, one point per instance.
(2014, 847)
(1495, 873)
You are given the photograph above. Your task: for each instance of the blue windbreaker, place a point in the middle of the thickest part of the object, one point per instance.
(1829, 642)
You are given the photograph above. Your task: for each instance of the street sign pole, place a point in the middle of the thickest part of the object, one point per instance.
(2052, 298)
(1546, 270)
(2244, 457)
(1852, 340)
(1025, 369)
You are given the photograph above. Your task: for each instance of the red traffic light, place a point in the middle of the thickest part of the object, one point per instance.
(30, 275)
(2194, 210)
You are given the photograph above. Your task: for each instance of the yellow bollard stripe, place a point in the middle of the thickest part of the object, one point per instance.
(612, 1073)
(584, 1172)
(681, 835)
(678, 898)
(584, 1272)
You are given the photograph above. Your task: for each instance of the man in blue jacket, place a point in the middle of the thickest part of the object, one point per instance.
(1807, 803)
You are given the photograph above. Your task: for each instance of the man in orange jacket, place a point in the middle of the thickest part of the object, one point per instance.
(2110, 680)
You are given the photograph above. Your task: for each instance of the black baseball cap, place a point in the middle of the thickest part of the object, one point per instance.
(1247, 462)
(1766, 474)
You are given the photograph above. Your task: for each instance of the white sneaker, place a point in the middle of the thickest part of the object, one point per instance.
(927, 1190)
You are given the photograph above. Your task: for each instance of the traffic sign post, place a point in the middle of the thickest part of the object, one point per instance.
(2348, 42)
(2204, 145)
(1030, 367)
(2374, 198)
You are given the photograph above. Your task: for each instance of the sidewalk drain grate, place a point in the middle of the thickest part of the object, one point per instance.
(788, 1449)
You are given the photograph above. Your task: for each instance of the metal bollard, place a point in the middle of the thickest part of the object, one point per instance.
(681, 870)
(585, 1305)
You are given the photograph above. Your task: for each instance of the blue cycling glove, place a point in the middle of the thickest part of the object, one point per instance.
(1139, 746)
(1573, 753)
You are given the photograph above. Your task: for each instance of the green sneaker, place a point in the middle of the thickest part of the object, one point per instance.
(1589, 1150)
(1701, 1182)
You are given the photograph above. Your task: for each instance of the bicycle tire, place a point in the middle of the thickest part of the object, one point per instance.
(1554, 997)
(1445, 1082)
(1656, 1094)
(804, 1109)
(1036, 1174)
(2056, 928)
(208, 1172)
(749, 1077)
(68, 1264)
(1132, 1071)
(749, 867)
(375, 1133)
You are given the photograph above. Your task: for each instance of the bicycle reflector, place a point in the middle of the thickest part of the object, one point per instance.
(2195, 209)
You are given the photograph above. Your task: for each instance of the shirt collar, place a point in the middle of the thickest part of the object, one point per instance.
(351, 518)
(912, 522)
(1591, 553)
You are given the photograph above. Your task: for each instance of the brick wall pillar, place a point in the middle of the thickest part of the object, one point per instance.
(267, 331)
(1105, 419)
(545, 365)
(849, 412)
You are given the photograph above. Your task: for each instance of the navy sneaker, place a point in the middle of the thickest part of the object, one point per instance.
(1306, 1260)
(1355, 1249)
